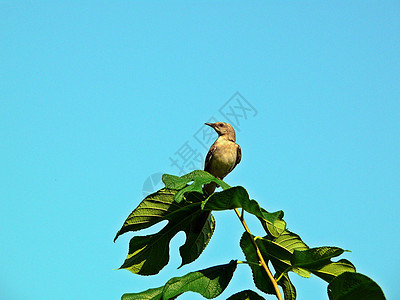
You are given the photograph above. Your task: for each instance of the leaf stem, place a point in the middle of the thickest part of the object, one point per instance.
(248, 262)
(260, 257)
(283, 273)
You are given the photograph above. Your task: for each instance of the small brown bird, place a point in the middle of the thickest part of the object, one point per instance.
(223, 155)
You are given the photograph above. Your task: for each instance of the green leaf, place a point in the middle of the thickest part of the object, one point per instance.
(280, 251)
(246, 295)
(289, 291)
(237, 197)
(329, 271)
(210, 282)
(290, 241)
(318, 261)
(303, 258)
(150, 294)
(275, 229)
(198, 234)
(198, 177)
(149, 254)
(274, 250)
(155, 208)
(260, 277)
(350, 286)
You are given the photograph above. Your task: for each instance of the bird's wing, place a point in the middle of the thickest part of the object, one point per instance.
(210, 153)
(239, 155)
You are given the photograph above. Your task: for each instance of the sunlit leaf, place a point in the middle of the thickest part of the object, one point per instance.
(275, 229)
(150, 294)
(198, 177)
(303, 258)
(290, 241)
(318, 261)
(329, 271)
(155, 208)
(280, 250)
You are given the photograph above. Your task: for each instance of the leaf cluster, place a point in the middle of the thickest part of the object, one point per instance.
(186, 208)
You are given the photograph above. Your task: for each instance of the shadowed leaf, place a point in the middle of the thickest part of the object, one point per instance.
(351, 285)
(198, 234)
(237, 197)
(289, 291)
(210, 283)
(149, 254)
(246, 295)
(260, 277)
(187, 209)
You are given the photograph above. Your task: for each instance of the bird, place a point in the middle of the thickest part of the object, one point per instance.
(224, 154)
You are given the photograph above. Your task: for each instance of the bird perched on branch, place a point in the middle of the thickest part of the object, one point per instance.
(223, 155)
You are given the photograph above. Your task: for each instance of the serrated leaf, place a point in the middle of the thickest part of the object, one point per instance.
(198, 234)
(274, 250)
(246, 295)
(199, 179)
(289, 291)
(174, 182)
(278, 251)
(275, 229)
(210, 282)
(329, 271)
(318, 261)
(155, 208)
(260, 277)
(149, 254)
(303, 258)
(350, 286)
(290, 241)
(150, 294)
(237, 197)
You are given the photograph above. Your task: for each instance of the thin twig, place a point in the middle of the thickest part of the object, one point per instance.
(260, 257)
(248, 262)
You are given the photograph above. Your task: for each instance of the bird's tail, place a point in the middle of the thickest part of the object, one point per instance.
(209, 188)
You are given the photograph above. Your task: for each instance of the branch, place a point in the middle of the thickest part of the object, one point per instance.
(260, 257)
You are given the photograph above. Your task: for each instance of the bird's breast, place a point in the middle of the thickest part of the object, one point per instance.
(224, 158)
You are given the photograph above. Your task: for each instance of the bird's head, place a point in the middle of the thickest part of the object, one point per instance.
(224, 129)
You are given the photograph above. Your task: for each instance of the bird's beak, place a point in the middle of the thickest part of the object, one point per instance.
(210, 124)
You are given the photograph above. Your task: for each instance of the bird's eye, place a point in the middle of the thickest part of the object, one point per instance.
(221, 124)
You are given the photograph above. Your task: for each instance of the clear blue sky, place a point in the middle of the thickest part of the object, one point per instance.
(95, 97)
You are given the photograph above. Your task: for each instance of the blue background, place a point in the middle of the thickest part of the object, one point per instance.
(97, 96)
